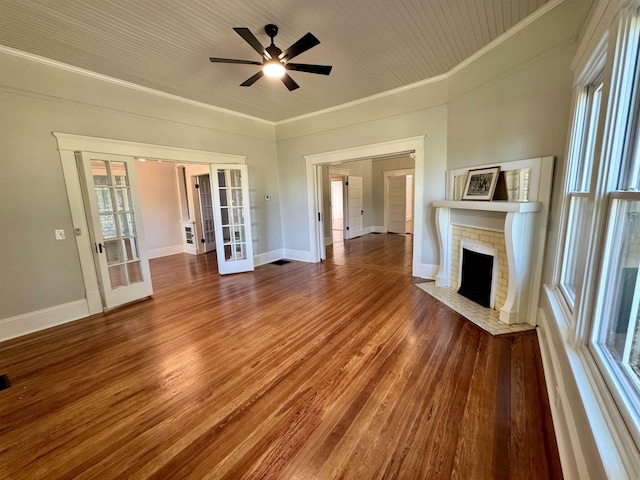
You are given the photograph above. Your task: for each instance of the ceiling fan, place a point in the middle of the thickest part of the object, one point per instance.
(275, 61)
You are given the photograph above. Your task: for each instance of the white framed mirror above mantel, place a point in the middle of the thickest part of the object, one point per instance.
(516, 228)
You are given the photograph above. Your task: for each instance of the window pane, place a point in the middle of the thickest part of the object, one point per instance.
(100, 172)
(103, 198)
(131, 248)
(584, 166)
(108, 226)
(235, 179)
(113, 250)
(236, 197)
(575, 247)
(123, 198)
(127, 224)
(119, 172)
(134, 272)
(117, 276)
(617, 332)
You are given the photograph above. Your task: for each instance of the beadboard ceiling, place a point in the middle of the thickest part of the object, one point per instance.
(374, 45)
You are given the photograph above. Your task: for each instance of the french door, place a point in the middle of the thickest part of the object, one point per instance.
(232, 218)
(206, 213)
(115, 227)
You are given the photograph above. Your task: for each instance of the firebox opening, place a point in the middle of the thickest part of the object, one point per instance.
(476, 277)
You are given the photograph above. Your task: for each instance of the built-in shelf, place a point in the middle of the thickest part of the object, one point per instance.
(494, 206)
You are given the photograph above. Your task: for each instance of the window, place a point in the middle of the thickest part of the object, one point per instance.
(598, 269)
(616, 333)
(581, 158)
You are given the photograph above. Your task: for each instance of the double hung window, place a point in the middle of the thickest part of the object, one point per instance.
(599, 260)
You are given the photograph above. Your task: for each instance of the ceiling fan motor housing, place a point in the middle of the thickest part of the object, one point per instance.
(271, 30)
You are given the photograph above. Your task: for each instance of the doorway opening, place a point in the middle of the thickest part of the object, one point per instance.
(337, 208)
(360, 197)
(228, 176)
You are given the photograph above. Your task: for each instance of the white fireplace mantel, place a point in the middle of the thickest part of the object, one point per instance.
(494, 206)
(518, 234)
(522, 223)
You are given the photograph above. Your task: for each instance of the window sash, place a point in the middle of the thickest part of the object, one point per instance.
(575, 246)
(610, 342)
(581, 161)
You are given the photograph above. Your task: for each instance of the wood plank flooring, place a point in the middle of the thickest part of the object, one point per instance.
(302, 371)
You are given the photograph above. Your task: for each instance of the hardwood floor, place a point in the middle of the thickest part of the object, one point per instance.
(299, 371)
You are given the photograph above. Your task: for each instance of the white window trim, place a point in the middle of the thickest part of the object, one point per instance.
(618, 453)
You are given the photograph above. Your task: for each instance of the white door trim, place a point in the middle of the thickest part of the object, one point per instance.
(412, 144)
(68, 144)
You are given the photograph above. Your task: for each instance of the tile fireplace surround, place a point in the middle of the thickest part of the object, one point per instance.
(515, 229)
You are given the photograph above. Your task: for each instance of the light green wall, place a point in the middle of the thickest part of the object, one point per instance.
(37, 271)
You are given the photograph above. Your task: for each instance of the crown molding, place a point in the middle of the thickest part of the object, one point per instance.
(123, 83)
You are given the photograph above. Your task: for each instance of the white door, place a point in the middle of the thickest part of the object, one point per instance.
(355, 207)
(232, 218)
(208, 238)
(397, 204)
(114, 218)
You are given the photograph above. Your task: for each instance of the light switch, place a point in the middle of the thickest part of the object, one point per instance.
(60, 235)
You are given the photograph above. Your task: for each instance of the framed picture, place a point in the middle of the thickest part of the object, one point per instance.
(481, 183)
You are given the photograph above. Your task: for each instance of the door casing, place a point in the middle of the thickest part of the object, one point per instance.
(314, 194)
(68, 144)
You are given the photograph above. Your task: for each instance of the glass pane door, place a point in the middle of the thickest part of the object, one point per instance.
(115, 215)
(206, 213)
(233, 225)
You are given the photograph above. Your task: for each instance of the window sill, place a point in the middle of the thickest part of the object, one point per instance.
(604, 435)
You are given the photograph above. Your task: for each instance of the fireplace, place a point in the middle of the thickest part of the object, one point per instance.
(515, 229)
(478, 273)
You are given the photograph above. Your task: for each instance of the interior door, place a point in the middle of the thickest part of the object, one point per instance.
(397, 204)
(208, 238)
(232, 218)
(355, 207)
(114, 218)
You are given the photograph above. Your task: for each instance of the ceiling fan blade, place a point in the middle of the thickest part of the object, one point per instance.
(289, 82)
(306, 67)
(305, 43)
(233, 60)
(252, 40)
(250, 81)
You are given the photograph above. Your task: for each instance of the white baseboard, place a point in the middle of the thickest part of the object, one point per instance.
(377, 229)
(328, 241)
(165, 251)
(264, 258)
(299, 255)
(428, 271)
(593, 439)
(19, 325)
(561, 424)
(190, 249)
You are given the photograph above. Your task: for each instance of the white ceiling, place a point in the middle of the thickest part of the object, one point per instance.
(373, 45)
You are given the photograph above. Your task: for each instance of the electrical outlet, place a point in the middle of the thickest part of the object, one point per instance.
(60, 235)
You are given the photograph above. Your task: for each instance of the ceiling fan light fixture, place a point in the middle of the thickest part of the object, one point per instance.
(273, 69)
